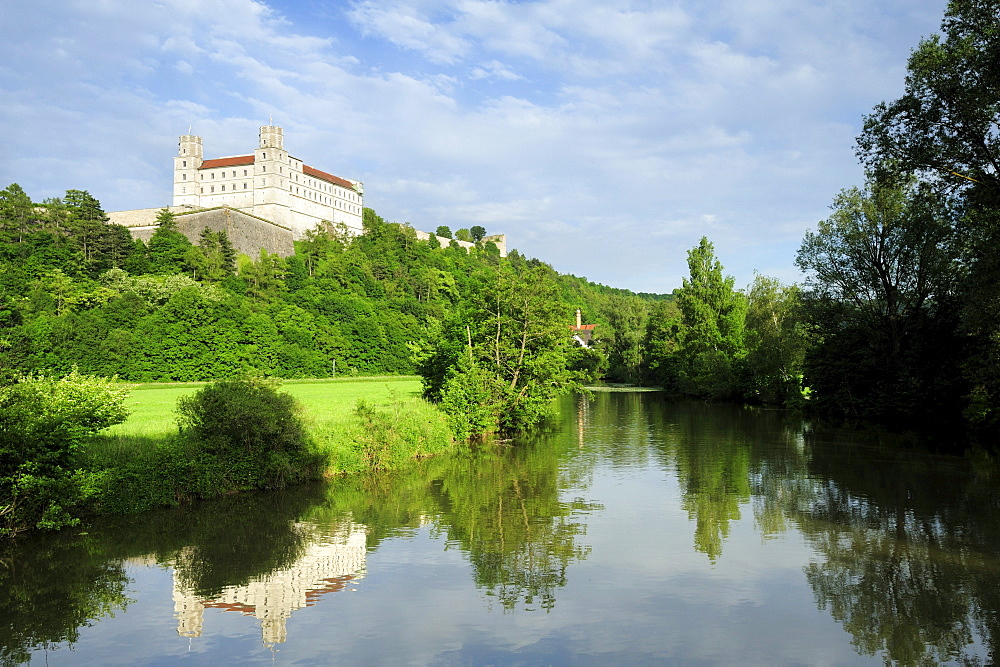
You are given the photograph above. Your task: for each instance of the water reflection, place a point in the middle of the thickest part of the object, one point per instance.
(903, 549)
(910, 550)
(331, 561)
(66, 583)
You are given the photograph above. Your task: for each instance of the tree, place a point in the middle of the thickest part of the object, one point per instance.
(165, 219)
(265, 277)
(213, 259)
(776, 339)
(86, 221)
(478, 233)
(443, 231)
(257, 430)
(943, 130)
(17, 213)
(880, 277)
(945, 124)
(463, 235)
(714, 319)
(664, 339)
(168, 248)
(626, 317)
(498, 365)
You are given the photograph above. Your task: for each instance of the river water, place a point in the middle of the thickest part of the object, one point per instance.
(637, 530)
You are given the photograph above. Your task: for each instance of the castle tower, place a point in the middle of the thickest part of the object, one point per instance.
(189, 157)
(272, 173)
(271, 137)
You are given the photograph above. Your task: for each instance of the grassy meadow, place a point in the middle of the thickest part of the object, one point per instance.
(395, 424)
(325, 401)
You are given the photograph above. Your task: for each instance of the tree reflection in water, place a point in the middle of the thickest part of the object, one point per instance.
(906, 546)
(907, 554)
(911, 563)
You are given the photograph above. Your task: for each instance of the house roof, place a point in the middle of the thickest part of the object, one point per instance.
(227, 161)
(306, 169)
(330, 178)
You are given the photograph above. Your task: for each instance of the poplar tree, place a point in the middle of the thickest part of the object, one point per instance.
(714, 317)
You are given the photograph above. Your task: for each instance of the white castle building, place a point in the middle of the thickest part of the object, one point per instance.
(265, 199)
(269, 184)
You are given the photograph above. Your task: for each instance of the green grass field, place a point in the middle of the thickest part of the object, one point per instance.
(153, 406)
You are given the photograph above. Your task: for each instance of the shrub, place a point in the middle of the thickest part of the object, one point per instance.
(248, 428)
(382, 437)
(43, 421)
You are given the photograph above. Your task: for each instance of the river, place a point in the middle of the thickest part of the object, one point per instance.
(636, 530)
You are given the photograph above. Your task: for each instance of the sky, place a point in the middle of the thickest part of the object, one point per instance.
(605, 138)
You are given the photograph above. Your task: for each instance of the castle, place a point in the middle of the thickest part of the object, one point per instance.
(269, 184)
(267, 199)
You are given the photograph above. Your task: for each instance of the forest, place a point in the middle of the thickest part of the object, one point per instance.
(895, 322)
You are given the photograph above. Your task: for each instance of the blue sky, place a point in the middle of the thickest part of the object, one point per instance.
(602, 137)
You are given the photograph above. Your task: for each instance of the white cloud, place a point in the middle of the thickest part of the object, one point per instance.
(603, 138)
(493, 70)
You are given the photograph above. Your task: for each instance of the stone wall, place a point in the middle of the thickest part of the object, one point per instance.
(246, 232)
(500, 240)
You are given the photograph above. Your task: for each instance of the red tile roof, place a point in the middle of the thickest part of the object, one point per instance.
(329, 178)
(227, 162)
(249, 159)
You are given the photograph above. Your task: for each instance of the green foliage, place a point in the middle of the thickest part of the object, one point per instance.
(17, 214)
(881, 274)
(443, 231)
(250, 427)
(944, 125)
(213, 259)
(478, 233)
(384, 437)
(502, 361)
(714, 320)
(777, 339)
(168, 250)
(43, 421)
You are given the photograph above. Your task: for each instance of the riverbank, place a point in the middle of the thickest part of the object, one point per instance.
(349, 425)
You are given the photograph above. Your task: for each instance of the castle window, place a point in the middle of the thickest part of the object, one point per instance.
(244, 172)
(184, 177)
(184, 163)
(280, 170)
(203, 177)
(234, 173)
(212, 189)
(213, 174)
(263, 167)
(223, 188)
(202, 191)
(244, 186)
(264, 155)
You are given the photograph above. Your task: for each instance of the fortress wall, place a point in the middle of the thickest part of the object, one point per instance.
(500, 240)
(247, 233)
(142, 217)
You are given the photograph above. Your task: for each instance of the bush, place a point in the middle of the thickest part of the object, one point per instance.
(43, 421)
(249, 429)
(382, 437)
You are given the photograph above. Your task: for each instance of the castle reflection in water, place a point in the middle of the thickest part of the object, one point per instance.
(326, 566)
